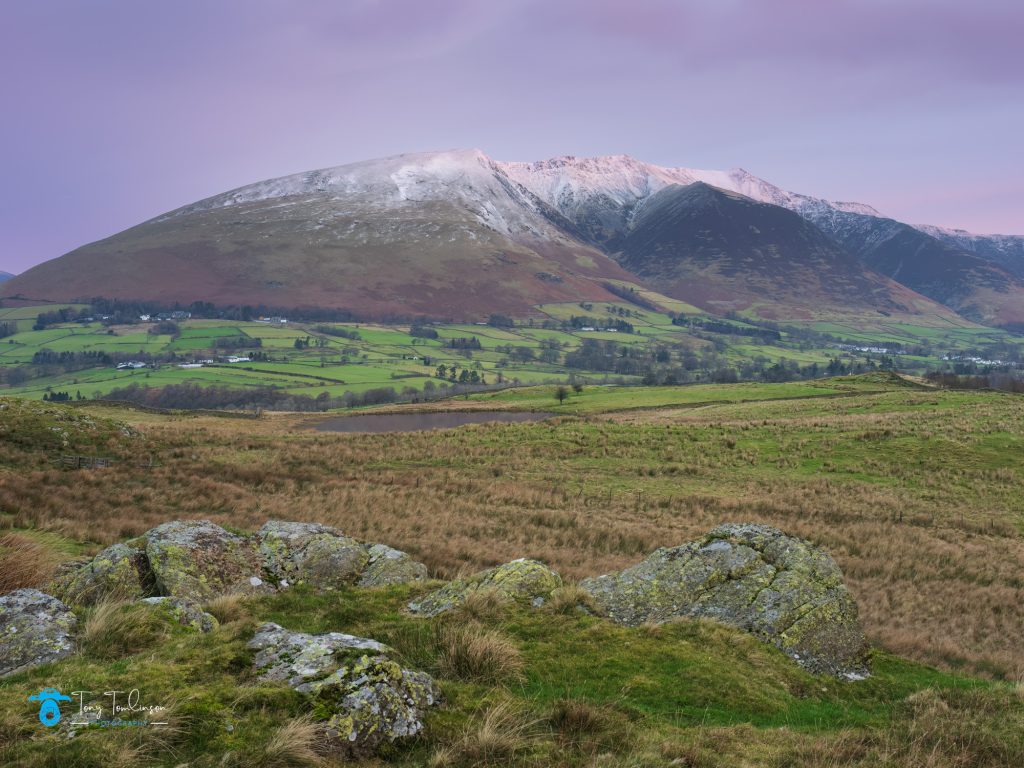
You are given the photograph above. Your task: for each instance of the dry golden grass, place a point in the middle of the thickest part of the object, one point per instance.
(113, 630)
(293, 745)
(472, 652)
(24, 562)
(570, 599)
(917, 496)
(503, 733)
(227, 608)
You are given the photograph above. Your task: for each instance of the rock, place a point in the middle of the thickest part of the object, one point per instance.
(119, 572)
(200, 560)
(310, 553)
(365, 696)
(526, 581)
(390, 566)
(780, 588)
(186, 612)
(35, 628)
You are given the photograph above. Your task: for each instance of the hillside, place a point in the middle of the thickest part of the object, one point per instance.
(880, 473)
(458, 235)
(724, 251)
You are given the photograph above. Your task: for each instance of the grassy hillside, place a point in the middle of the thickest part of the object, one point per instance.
(915, 491)
(550, 687)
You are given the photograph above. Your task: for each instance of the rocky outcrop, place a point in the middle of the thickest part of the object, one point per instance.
(119, 572)
(367, 698)
(780, 588)
(200, 560)
(35, 628)
(186, 612)
(525, 581)
(390, 566)
(310, 553)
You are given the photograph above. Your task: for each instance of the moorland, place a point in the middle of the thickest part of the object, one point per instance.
(913, 489)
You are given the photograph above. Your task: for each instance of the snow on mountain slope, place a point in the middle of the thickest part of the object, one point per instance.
(1005, 250)
(571, 183)
(474, 181)
(466, 178)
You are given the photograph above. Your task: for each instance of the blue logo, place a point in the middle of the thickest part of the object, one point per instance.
(49, 711)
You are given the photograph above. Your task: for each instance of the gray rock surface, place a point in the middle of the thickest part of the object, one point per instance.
(119, 572)
(35, 628)
(369, 698)
(390, 566)
(754, 577)
(310, 553)
(200, 560)
(526, 581)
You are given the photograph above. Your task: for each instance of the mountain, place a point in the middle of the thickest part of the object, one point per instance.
(601, 194)
(5, 276)
(1005, 250)
(459, 235)
(440, 234)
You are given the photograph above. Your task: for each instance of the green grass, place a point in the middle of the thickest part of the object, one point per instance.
(601, 399)
(382, 353)
(670, 682)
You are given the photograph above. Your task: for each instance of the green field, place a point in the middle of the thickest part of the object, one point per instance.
(384, 356)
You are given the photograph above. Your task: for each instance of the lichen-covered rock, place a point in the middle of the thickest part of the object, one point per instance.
(119, 572)
(200, 560)
(310, 553)
(186, 612)
(526, 581)
(390, 566)
(35, 628)
(780, 588)
(364, 697)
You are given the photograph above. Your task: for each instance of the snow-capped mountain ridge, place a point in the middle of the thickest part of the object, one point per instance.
(566, 183)
(457, 232)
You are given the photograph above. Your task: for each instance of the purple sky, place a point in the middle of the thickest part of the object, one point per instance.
(114, 111)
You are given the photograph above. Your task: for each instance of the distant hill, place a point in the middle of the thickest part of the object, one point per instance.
(5, 276)
(459, 235)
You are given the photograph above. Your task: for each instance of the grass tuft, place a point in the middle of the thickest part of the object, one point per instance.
(24, 562)
(113, 630)
(471, 652)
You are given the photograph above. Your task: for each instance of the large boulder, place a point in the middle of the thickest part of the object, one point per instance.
(310, 553)
(780, 588)
(525, 581)
(35, 628)
(118, 572)
(366, 697)
(199, 560)
(390, 566)
(186, 612)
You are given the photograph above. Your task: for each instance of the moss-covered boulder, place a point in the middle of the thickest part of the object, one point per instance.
(310, 553)
(525, 581)
(35, 628)
(183, 611)
(780, 588)
(362, 696)
(199, 560)
(119, 572)
(390, 566)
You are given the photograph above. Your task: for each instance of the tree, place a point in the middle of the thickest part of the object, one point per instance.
(561, 393)
(577, 387)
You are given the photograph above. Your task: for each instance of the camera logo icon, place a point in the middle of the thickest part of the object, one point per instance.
(49, 710)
